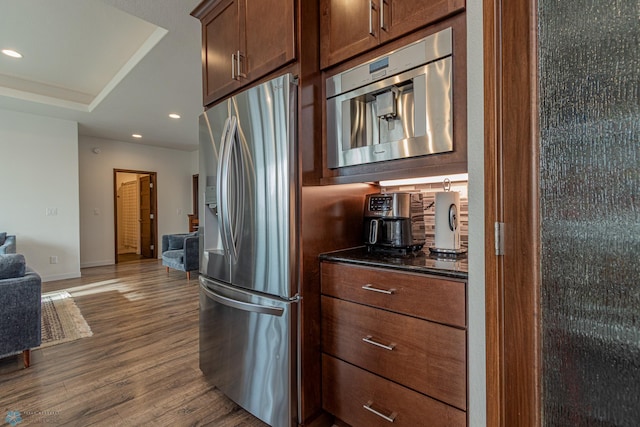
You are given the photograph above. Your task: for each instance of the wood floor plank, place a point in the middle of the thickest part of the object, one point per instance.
(140, 367)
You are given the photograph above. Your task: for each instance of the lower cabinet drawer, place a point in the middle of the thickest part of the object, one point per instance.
(436, 299)
(361, 398)
(422, 355)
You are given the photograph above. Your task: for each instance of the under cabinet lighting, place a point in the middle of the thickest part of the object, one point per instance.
(12, 53)
(174, 116)
(425, 180)
(136, 135)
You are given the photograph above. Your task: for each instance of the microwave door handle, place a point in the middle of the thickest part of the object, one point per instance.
(241, 305)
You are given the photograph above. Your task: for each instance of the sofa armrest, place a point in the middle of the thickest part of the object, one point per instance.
(21, 312)
(165, 243)
(192, 253)
(9, 245)
(12, 266)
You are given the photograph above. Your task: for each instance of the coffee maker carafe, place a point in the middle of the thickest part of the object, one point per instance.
(394, 222)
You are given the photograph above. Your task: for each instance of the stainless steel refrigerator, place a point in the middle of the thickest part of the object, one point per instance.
(249, 296)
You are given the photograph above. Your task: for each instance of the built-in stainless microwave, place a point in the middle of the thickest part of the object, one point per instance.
(392, 107)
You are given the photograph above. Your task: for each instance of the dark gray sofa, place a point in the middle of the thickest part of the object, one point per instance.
(7, 243)
(20, 307)
(181, 252)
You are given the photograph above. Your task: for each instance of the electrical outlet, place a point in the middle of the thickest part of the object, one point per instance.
(53, 259)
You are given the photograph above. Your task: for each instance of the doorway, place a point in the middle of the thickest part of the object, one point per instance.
(193, 217)
(135, 207)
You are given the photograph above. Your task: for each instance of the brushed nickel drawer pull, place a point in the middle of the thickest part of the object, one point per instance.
(239, 56)
(369, 339)
(371, 7)
(382, 291)
(389, 418)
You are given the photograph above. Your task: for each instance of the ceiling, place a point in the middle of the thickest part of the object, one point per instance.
(117, 67)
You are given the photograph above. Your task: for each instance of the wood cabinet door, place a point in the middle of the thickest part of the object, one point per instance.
(399, 17)
(221, 40)
(269, 36)
(347, 28)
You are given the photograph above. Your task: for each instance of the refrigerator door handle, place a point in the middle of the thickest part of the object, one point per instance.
(221, 190)
(241, 305)
(225, 161)
(232, 169)
(237, 222)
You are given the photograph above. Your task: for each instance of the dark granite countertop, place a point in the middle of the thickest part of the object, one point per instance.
(419, 262)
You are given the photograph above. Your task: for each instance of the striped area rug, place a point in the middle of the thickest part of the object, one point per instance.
(62, 320)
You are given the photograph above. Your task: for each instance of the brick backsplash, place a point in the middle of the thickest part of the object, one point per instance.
(429, 194)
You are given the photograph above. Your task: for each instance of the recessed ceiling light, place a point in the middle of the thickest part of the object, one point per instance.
(136, 135)
(174, 116)
(12, 53)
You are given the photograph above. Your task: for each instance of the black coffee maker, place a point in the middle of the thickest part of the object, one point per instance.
(394, 222)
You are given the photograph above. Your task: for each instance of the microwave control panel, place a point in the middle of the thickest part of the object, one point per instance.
(421, 52)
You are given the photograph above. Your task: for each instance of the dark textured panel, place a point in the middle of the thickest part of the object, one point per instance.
(590, 211)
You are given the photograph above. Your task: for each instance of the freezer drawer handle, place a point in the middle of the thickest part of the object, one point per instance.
(245, 306)
(382, 291)
(369, 339)
(389, 418)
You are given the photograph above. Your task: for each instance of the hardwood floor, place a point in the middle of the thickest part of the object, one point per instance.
(139, 368)
(132, 258)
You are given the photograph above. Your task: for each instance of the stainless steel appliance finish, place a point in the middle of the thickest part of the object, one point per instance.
(395, 106)
(393, 205)
(249, 282)
(247, 350)
(394, 221)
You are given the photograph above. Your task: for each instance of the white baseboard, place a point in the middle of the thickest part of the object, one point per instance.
(54, 277)
(97, 263)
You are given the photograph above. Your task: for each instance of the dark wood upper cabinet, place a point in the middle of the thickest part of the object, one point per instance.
(220, 44)
(402, 16)
(350, 28)
(346, 28)
(269, 36)
(242, 41)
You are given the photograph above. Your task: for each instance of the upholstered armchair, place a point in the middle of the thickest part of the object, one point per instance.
(7, 244)
(181, 252)
(20, 309)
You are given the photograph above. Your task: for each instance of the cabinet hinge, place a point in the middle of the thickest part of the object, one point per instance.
(151, 216)
(151, 185)
(153, 247)
(499, 237)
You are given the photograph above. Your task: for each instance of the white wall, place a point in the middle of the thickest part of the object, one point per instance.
(174, 169)
(39, 171)
(194, 163)
(475, 142)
